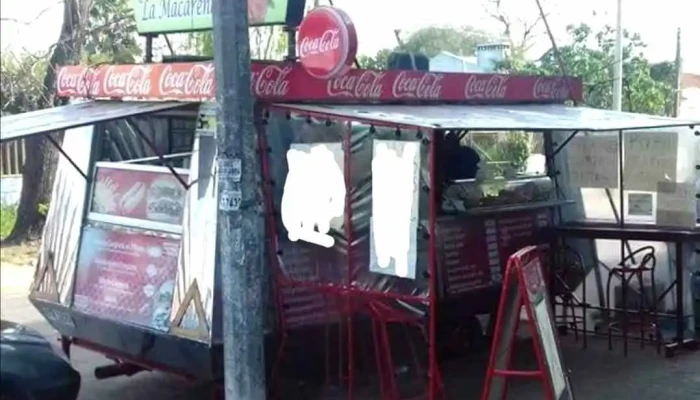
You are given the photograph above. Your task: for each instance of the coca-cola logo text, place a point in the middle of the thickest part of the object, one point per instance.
(550, 88)
(417, 86)
(329, 41)
(133, 80)
(367, 85)
(76, 81)
(486, 87)
(196, 81)
(271, 81)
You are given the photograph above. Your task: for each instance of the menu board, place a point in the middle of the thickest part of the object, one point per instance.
(126, 276)
(475, 250)
(145, 193)
(303, 306)
(593, 161)
(465, 262)
(650, 157)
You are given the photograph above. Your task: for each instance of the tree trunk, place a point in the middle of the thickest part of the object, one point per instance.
(40, 164)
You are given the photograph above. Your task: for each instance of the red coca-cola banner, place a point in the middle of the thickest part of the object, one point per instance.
(126, 276)
(291, 82)
(147, 194)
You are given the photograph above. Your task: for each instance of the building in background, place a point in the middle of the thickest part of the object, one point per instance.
(485, 60)
(690, 96)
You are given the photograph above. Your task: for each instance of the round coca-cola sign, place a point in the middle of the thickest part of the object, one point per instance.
(327, 42)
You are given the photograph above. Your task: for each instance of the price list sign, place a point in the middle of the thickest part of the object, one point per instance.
(464, 259)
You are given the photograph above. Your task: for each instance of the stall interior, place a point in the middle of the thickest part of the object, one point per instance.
(421, 237)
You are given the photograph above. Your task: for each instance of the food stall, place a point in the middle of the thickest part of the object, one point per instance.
(365, 229)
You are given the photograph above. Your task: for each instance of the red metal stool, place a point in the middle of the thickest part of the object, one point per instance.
(382, 316)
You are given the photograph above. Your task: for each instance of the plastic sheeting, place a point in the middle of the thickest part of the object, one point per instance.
(643, 174)
(346, 262)
(495, 117)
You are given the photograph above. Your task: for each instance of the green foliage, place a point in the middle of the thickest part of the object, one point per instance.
(43, 209)
(8, 216)
(379, 61)
(110, 35)
(21, 83)
(590, 56)
(202, 43)
(432, 40)
(512, 148)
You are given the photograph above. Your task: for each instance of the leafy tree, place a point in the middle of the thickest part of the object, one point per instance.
(110, 33)
(21, 87)
(591, 57)
(266, 43)
(26, 92)
(432, 40)
(379, 61)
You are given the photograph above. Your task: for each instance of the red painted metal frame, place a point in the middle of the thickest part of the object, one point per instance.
(514, 270)
(357, 300)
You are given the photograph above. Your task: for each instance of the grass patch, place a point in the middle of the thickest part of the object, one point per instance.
(24, 254)
(8, 216)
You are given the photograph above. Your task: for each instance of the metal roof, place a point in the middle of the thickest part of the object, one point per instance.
(493, 117)
(19, 126)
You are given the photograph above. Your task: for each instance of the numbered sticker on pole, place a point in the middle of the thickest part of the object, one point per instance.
(230, 200)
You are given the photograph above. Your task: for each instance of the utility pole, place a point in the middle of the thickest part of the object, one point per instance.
(617, 81)
(678, 90)
(239, 225)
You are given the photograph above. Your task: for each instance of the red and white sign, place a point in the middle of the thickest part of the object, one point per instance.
(327, 42)
(150, 195)
(126, 276)
(291, 82)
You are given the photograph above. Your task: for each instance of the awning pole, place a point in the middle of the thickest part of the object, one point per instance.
(617, 89)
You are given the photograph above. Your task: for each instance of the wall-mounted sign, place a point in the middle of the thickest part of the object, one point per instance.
(327, 43)
(313, 200)
(126, 276)
(127, 194)
(163, 16)
(395, 190)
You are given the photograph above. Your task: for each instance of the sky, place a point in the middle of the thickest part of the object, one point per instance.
(376, 20)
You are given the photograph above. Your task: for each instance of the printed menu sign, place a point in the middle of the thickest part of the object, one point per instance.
(475, 251)
(593, 161)
(676, 204)
(304, 306)
(126, 276)
(152, 194)
(650, 157)
(465, 262)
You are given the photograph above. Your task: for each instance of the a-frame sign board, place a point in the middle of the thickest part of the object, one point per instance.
(524, 286)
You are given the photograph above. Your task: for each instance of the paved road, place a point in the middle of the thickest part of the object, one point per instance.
(597, 373)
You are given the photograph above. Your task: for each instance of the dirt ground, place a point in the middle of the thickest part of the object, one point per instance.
(597, 374)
